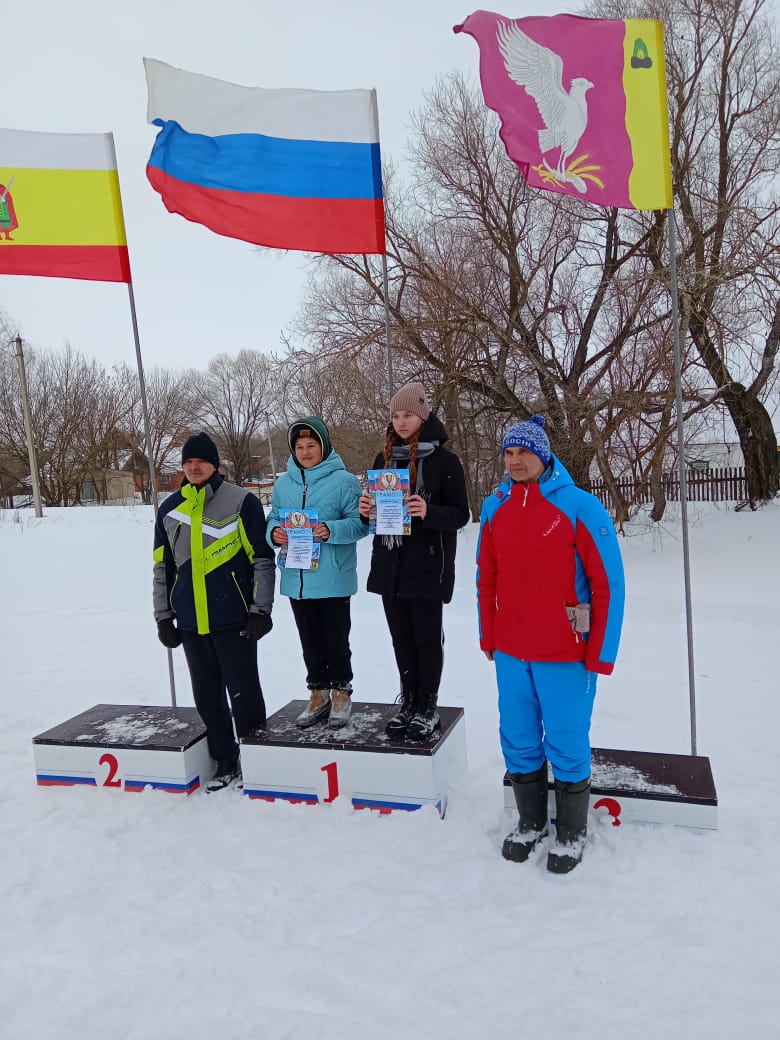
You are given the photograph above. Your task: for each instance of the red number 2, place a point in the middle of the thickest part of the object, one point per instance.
(113, 766)
(332, 773)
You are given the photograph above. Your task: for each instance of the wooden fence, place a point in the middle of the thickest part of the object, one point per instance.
(727, 484)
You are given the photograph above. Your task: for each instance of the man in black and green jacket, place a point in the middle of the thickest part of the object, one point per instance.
(214, 575)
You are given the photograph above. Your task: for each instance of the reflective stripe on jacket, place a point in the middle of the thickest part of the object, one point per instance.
(211, 561)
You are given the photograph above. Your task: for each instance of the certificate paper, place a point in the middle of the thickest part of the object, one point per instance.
(389, 491)
(302, 551)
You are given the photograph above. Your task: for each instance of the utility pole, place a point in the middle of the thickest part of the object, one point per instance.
(28, 429)
(270, 445)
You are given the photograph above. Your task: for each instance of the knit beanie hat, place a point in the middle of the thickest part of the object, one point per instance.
(529, 435)
(311, 426)
(200, 446)
(411, 398)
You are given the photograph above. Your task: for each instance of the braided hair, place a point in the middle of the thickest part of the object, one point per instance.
(393, 439)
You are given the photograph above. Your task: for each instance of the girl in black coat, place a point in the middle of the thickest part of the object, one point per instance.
(415, 574)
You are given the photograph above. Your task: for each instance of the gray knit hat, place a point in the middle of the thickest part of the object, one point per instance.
(411, 398)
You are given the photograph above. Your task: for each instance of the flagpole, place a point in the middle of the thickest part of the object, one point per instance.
(149, 451)
(670, 222)
(28, 429)
(145, 413)
(385, 292)
(388, 341)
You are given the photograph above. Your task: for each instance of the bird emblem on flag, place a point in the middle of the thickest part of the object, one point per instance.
(582, 104)
(564, 113)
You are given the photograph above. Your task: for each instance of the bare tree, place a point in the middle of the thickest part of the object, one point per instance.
(724, 95)
(238, 393)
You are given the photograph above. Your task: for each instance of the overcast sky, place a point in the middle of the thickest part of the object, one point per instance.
(77, 68)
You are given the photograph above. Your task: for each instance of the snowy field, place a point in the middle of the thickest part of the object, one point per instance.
(156, 917)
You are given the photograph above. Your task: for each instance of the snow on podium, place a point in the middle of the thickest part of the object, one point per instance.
(646, 787)
(121, 747)
(133, 747)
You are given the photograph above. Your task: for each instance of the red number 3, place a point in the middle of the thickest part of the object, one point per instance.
(613, 808)
(113, 766)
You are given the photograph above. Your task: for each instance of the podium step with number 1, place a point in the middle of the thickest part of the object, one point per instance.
(358, 762)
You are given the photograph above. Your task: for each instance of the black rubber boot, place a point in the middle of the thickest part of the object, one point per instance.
(426, 720)
(572, 803)
(530, 791)
(399, 723)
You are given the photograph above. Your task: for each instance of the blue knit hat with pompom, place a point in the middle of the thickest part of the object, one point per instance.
(529, 435)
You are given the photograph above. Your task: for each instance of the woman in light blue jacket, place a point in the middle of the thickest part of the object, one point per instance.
(316, 479)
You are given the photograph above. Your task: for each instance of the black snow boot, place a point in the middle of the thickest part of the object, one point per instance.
(530, 791)
(227, 772)
(572, 803)
(426, 720)
(399, 723)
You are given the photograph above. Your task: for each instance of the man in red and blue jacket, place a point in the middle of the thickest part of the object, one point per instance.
(551, 591)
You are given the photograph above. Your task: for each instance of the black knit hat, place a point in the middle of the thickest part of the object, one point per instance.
(200, 446)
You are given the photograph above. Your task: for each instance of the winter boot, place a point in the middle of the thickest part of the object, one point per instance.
(425, 721)
(530, 791)
(340, 706)
(226, 773)
(399, 723)
(317, 708)
(572, 803)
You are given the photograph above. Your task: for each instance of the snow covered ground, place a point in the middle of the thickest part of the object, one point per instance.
(158, 917)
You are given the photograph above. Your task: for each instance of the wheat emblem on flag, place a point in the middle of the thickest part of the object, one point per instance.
(539, 71)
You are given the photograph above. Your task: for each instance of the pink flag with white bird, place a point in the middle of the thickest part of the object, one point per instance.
(582, 104)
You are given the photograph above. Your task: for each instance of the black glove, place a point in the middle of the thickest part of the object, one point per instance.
(257, 626)
(168, 633)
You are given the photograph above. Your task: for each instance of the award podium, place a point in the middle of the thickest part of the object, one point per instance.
(357, 762)
(646, 787)
(125, 747)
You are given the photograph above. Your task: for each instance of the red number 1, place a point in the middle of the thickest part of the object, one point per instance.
(113, 766)
(332, 773)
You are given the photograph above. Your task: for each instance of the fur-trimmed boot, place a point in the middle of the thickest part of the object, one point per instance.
(317, 708)
(530, 791)
(340, 706)
(572, 803)
(399, 723)
(426, 720)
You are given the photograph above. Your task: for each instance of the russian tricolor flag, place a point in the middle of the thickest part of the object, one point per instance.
(290, 169)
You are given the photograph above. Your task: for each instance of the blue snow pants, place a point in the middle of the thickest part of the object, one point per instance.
(544, 712)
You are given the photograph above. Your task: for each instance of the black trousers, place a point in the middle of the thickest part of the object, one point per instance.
(323, 626)
(216, 661)
(418, 641)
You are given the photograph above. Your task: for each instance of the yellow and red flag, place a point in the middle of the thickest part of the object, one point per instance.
(582, 103)
(60, 207)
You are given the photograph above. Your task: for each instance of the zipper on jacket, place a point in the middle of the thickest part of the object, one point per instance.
(176, 535)
(525, 496)
(303, 506)
(241, 594)
(173, 589)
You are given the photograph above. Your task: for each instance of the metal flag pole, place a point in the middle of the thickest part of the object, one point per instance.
(28, 428)
(670, 222)
(388, 341)
(150, 453)
(147, 424)
(385, 291)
